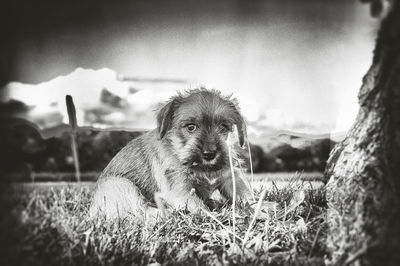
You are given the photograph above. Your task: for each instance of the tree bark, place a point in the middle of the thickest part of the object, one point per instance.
(363, 191)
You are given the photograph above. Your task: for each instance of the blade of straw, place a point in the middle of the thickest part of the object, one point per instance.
(229, 142)
(258, 208)
(221, 224)
(246, 182)
(251, 166)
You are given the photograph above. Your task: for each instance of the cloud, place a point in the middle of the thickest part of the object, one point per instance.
(84, 85)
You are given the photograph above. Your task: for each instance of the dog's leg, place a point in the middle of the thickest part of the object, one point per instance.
(225, 186)
(179, 199)
(118, 197)
(178, 190)
(179, 194)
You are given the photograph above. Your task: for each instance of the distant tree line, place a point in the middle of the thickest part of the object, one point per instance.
(24, 150)
(285, 158)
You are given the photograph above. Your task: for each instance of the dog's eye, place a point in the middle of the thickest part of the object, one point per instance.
(225, 128)
(191, 127)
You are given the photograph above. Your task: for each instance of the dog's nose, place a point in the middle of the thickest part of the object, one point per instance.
(209, 155)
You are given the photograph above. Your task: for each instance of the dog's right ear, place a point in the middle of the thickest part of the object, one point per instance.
(164, 117)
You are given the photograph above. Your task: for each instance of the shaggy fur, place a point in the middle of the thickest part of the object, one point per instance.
(181, 163)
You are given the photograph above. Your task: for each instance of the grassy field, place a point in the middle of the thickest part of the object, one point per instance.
(48, 225)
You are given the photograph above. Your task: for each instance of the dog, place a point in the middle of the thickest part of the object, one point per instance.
(180, 163)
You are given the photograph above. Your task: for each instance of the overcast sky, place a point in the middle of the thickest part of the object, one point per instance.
(289, 62)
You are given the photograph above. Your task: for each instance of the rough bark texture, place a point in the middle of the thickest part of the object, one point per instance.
(364, 169)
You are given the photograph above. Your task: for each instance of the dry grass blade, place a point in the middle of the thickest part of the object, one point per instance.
(159, 229)
(258, 208)
(247, 183)
(229, 142)
(314, 242)
(251, 169)
(221, 224)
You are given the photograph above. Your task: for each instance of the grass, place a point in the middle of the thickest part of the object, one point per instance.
(50, 227)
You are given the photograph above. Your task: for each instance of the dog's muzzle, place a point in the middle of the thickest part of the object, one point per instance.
(207, 161)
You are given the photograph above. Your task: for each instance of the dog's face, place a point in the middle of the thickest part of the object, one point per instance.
(197, 125)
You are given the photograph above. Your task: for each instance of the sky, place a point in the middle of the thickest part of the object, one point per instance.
(293, 65)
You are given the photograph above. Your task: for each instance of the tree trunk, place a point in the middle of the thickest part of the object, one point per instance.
(363, 191)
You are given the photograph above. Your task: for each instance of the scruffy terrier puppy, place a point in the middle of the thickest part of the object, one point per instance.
(183, 161)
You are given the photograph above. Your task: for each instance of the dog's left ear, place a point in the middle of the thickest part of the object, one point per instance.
(164, 117)
(241, 126)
